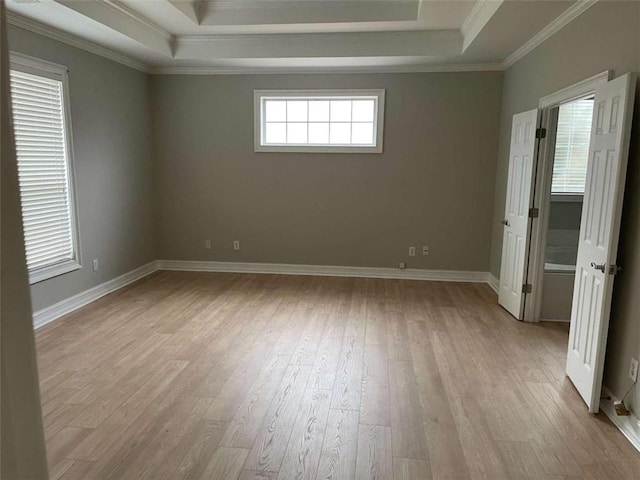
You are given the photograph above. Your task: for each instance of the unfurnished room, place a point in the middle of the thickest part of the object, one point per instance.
(320, 239)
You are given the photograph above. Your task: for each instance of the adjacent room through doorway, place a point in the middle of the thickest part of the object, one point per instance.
(570, 132)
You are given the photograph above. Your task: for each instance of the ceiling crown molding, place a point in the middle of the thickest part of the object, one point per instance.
(51, 32)
(120, 8)
(436, 68)
(190, 9)
(569, 15)
(478, 17)
(120, 18)
(75, 41)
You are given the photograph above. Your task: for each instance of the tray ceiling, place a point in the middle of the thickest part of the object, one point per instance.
(236, 36)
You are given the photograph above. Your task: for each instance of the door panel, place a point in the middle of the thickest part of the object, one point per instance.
(515, 238)
(599, 230)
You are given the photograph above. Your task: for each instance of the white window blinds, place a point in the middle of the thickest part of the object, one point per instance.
(572, 147)
(43, 168)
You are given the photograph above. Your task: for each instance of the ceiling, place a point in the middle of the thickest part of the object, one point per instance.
(247, 36)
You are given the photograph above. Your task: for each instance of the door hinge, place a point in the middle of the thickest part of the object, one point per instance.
(534, 212)
(614, 269)
(541, 133)
(527, 288)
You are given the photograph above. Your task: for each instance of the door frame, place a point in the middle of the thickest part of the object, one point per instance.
(542, 186)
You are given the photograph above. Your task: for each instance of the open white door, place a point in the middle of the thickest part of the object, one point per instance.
(515, 239)
(599, 229)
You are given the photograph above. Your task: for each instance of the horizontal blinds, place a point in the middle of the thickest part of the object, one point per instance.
(39, 130)
(572, 147)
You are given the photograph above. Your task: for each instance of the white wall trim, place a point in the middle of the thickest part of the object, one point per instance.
(629, 425)
(556, 25)
(544, 173)
(493, 282)
(575, 91)
(324, 270)
(68, 305)
(75, 41)
(569, 15)
(426, 68)
(477, 19)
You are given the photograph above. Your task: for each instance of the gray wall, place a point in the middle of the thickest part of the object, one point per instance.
(604, 37)
(113, 165)
(432, 186)
(22, 454)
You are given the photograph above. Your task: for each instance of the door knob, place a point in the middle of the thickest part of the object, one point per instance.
(600, 267)
(506, 223)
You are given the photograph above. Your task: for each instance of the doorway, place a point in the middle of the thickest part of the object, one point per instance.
(562, 156)
(542, 249)
(570, 131)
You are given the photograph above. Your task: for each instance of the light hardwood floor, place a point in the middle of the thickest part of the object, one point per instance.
(226, 376)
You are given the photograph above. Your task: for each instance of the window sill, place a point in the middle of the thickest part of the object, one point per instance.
(45, 273)
(318, 149)
(568, 198)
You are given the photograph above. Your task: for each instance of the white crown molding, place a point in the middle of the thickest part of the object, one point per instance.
(189, 9)
(472, 19)
(628, 425)
(75, 41)
(476, 20)
(418, 43)
(324, 270)
(121, 9)
(68, 305)
(569, 15)
(442, 68)
(125, 21)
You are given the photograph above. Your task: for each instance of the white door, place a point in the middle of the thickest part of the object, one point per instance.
(599, 229)
(515, 239)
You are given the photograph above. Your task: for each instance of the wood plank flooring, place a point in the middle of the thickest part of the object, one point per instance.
(229, 376)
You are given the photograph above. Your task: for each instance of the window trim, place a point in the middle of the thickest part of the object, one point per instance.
(36, 66)
(258, 121)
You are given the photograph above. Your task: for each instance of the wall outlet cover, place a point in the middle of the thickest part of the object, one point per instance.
(425, 250)
(207, 244)
(412, 251)
(402, 265)
(96, 264)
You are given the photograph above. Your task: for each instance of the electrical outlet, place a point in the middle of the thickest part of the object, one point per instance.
(207, 244)
(402, 265)
(96, 264)
(425, 250)
(633, 370)
(412, 251)
(236, 244)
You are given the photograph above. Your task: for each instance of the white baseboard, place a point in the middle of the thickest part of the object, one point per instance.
(46, 315)
(493, 282)
(628, 425)
(324, 270)
(68, 305)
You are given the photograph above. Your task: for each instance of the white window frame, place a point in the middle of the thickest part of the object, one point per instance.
(259, 96)
(36, 66)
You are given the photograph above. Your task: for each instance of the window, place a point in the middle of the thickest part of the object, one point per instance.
(41, 122)
(319, 121)
(572, 148)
